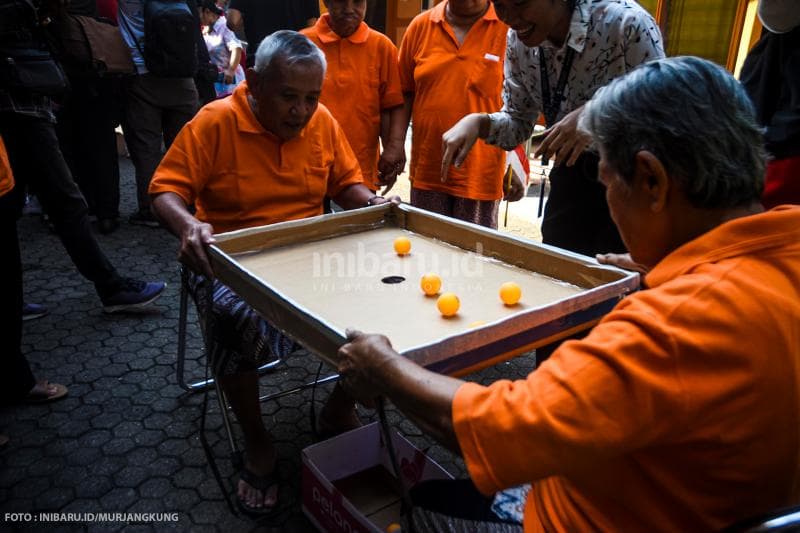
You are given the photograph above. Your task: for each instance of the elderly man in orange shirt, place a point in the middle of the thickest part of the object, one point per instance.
(267, 154)
(362, 68)
(680, 410)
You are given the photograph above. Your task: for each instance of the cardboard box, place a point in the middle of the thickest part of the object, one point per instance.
(314, 278)
(348, 485)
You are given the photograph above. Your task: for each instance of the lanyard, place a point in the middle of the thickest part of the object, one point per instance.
(551, 106)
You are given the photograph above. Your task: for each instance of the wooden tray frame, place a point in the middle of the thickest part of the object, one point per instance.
(457, 354)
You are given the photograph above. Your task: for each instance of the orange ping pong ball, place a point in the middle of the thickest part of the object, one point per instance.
(510, 293)
(402, 245)
(394, 527)
(430, 284)
(448, 304)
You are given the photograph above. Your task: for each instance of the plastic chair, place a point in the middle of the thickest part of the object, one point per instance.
(204, 384)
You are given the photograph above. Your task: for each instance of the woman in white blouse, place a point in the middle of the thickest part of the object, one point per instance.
(597, 40)
(224, 48)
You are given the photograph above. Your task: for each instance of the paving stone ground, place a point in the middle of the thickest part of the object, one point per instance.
(125, 440)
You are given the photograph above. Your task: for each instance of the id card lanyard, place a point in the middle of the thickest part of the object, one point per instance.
(551, 104)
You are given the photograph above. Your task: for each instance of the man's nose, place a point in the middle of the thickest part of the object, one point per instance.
(301, 110)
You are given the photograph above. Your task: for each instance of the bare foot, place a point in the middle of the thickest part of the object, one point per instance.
(44, 391)
(257, 488)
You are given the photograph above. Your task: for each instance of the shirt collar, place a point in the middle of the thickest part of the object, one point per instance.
(746, 235)
(578, 27)
(437, 13)
(327, 35)
(246, 120)
(219, 25)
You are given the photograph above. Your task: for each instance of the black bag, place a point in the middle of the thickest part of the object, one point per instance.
(170, 45)
(31, 70)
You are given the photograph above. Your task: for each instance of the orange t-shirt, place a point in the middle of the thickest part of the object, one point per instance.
(6, 176)
(450, 81)
(238, 175)
(362, 80)
(679, 412)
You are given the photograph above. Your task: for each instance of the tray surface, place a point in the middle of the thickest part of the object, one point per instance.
(339, 280)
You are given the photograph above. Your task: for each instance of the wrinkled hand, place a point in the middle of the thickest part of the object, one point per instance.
(359, 363)
(396, 200)
(390, 165)
(458, 141)
(195, 238)
(514, 191)
(564, 141)
(622, 261)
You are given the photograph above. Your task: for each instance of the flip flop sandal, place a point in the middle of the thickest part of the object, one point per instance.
(262, 483)
(60, 392)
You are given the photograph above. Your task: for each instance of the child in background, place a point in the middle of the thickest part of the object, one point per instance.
(224, 48)
(362, 89)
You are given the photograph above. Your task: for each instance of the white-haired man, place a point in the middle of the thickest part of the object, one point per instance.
(680, 410)
(267, 154)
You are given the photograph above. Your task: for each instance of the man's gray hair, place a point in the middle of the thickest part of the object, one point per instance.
(694, 117)
(294, 47)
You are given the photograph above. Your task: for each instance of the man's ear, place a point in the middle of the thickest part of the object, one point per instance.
(251, 76)
(650, 177)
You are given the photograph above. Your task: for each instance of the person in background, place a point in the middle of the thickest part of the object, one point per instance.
(680, 410)
(17, 383)
(451, 64)
(224, 49)
(559, 53)
(27, 125)
(268, 153)
(362, 68)
(771, 75)
(206, 76)
(86, 121)
(259, 18)
(156, 108)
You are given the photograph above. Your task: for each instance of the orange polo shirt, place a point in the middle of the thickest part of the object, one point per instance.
(239, 175)
(448, 82)
(362, 80)
(681, 409)
(6, 176)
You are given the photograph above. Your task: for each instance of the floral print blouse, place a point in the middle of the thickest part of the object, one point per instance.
(610, 38)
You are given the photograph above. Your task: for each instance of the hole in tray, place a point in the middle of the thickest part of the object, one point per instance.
(391, 280)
